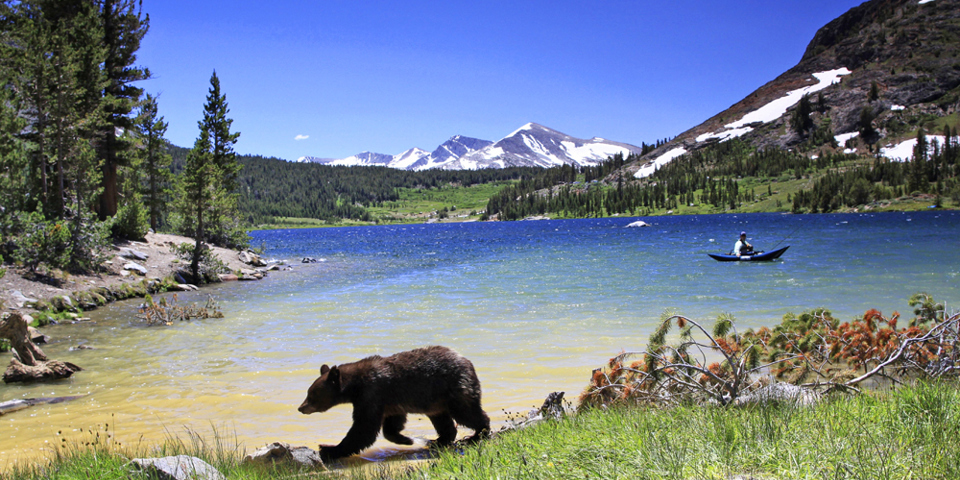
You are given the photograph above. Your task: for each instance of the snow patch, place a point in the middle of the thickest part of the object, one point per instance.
(903, 151)
(528, 126)
(776, 108)
(898, 108)
(843, 137)
(649, 168)
(924, 1)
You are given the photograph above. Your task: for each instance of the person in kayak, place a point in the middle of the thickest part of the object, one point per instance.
(742, 247)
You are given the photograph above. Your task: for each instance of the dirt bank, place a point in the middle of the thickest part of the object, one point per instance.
(160, 262)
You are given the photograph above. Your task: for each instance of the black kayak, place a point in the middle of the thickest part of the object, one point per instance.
(751, 257)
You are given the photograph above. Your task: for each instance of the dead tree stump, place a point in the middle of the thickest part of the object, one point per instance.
(29, 362)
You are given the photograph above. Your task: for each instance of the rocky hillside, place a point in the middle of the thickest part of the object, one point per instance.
(892, 64)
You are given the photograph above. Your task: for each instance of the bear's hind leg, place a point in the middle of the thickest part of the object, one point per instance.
(474, 418)
(446, 429)
(392, 426)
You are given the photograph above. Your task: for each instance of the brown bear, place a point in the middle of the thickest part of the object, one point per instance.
(433, 381)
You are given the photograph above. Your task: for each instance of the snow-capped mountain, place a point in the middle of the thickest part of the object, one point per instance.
(534, 145)
(531, 145)
(449, 151)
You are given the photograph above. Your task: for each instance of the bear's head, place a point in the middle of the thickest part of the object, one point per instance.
(325, 393)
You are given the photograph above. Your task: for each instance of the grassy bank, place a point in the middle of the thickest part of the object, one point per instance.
(907, 433)
(416, 205)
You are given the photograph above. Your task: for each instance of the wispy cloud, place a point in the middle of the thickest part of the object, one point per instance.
(301, 137)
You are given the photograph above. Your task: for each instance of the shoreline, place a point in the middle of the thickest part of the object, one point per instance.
(133, 269)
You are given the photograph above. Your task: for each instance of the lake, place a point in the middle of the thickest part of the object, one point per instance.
(535, 305)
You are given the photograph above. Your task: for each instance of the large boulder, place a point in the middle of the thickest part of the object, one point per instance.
(250, 258)
(179, 467)
(132, 254)
(283, 452)
(20, 299)
(135, 267)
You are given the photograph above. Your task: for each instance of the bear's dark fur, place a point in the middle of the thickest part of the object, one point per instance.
(433, 381)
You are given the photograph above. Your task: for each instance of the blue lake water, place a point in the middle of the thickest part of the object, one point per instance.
(535, 305)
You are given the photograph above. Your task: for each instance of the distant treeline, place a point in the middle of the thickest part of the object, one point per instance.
(271, 187)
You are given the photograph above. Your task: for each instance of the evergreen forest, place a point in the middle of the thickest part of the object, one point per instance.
(735, 176)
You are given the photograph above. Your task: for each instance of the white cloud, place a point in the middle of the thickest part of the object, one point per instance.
(301, 137)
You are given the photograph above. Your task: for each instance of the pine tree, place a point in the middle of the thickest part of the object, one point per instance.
(155, 160)
(874, 93)
(123, 26)
(208, 204)
(801, 121)
(224, 228)
(199, 187)
(917, 180)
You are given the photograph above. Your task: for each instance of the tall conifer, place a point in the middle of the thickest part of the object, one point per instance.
(122, 26)
(156, 161)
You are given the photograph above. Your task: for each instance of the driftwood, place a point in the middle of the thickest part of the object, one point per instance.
(15, 405)
(29, 362)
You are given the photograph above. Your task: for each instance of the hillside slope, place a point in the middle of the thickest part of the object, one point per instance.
(897, 59)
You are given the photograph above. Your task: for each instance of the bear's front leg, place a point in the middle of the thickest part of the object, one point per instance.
(366, 427)
(392, 426)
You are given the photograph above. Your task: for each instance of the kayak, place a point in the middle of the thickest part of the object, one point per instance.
(753, 257)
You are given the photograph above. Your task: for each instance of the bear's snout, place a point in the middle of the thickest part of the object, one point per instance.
(306, 409)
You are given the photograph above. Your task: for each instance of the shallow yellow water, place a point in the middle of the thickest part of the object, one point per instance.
(229, 376)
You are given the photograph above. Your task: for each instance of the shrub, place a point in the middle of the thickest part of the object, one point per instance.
(131, 222)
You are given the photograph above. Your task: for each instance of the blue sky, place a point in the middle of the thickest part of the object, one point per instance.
(331, 78)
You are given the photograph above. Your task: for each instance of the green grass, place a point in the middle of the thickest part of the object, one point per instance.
(422, 204)
(907, 433)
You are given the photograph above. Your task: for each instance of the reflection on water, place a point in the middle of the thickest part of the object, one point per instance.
(535, 305)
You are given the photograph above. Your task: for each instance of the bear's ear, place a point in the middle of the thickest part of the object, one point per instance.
(324, 369)
(334, 376)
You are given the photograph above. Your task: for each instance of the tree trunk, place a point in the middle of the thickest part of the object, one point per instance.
(109, 196)
(15, 328)
(29, 362)
(49, 370)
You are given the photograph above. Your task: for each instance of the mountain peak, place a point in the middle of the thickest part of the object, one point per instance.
(888, 56)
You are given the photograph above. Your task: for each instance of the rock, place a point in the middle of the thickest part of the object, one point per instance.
(20, 299)
(638, 223)
(179, 467)
(36, 336)
(132, 266)
(777, 393)
(62, 303)
(228, 277)
(184, 287)
(82, 346)
(283, 452)
(309, 260)
(132, 254)
(179, 278)
(250, 258)
(247, 274)
(271, 267)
